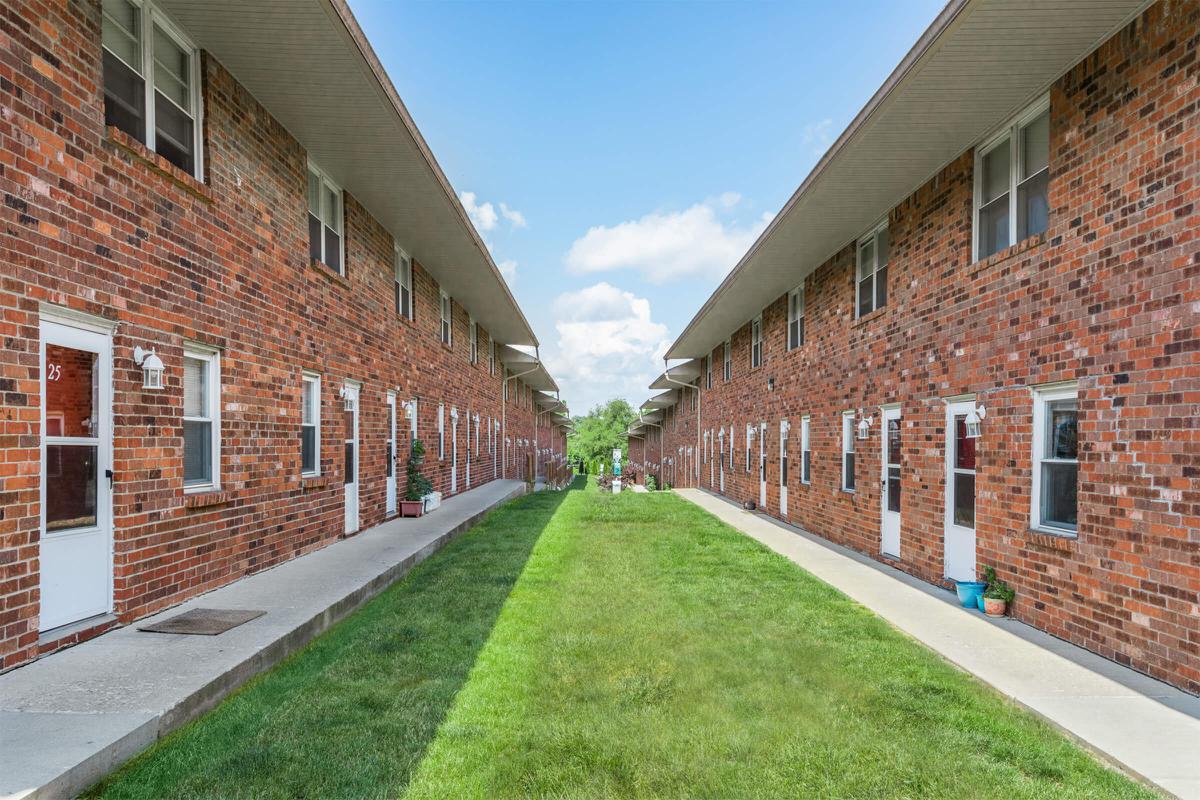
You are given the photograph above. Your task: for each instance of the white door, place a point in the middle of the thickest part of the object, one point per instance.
(762, 464)
(76, 520)
(959, 546)
(721, 465)
(453, 450)
(889, 501)
(783, 466)
(391, 454)
(350, 423)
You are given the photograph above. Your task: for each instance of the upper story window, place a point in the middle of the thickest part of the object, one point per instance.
(795, 318)
(473, 338)
(756, 353)
(447, 332)
(310, 424)
(872, 270)
(708, 371)
(491, 356)
(728, 367)
(1012, 178)
(403, 272)
(201, 419)
(151, 82)
(324, 220)
(1056, 459)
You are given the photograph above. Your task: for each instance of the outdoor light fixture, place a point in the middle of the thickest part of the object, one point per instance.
(152, 367)
(770, 384)
(974, 418)
(410, 408)
(454, 412)
(864, 425)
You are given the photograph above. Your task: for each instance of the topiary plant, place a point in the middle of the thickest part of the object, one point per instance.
(418, 484)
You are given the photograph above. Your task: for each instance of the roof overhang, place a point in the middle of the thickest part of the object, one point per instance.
(311, 67)
(978, 64)
(527, 368)
(651, 417)
(686, 372)
(664, 400)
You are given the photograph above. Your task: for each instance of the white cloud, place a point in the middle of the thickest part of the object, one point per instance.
(608, 346)
(817, 136)
(508, 268)
(666, 246)
(486, 217)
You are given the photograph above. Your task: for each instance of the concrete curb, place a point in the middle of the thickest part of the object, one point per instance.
(95, 767)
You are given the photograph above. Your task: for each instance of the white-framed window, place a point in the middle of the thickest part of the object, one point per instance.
(491, 356)
(447, 306)
(847, 451)
(872, 253)
(1012, 180)
(506, 384)
(805, 450)
(708, 371)
(473, 339)
(1056, 459)
(728, 366)
(795, 318)
(441, 431)
(731, 447)
(201, 418)
(325, 220)
(756, 353)
(404, 295)
(310, 424)
(152, 82)
(749, 441)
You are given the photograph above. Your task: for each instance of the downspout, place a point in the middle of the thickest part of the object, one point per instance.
(504, 407)
(696, 389)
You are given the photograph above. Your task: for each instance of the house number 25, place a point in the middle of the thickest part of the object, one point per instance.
(53, 372)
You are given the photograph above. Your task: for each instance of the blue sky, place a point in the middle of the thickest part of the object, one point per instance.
(619, 158)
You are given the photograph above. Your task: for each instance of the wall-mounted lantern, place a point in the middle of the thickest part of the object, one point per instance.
(771, 384)
(410, 408)
(864, 425)
(152, 367)
(974, 418)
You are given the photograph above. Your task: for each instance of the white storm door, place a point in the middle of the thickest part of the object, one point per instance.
(75, 579)
(762, 464)
(350, 436)
(391, 454)
(783, 466)
(721, 465)
(453, 450)
(959, 544)
(889, 501)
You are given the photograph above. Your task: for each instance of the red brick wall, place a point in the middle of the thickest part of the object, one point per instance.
(94, 222)
(1109, 296)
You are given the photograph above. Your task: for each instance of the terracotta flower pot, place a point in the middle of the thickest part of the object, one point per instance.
(412, 508)
(994, 606)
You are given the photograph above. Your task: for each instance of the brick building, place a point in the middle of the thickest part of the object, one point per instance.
(234, 285)
(972, 336)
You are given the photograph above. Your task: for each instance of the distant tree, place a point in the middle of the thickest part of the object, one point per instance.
(600, 432)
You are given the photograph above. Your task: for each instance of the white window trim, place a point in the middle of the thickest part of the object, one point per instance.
(805, 448)
(1042, 396)
(1012, 129)
(473, 337)
(871, 236)
(312, 379)
(339, 214)
(150, 15)
(731, 448)
(727, 365)
(848, 447)
(491, 356)
(403, 269)
(756, 341)
(213, 401)
(441, 431)
(446, 318)
(793, 316)
(708, 372)
(750, 430)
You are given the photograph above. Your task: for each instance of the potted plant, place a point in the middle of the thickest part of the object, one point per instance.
(969, 592)
(997, 597)
(413, 504)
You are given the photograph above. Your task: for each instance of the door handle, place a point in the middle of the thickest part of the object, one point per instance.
(108, 473)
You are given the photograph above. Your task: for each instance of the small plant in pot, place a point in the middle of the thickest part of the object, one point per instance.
(997, 597)
(413, 504)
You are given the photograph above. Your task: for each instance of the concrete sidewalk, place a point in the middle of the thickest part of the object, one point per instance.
(1142, 726)
(69, 719)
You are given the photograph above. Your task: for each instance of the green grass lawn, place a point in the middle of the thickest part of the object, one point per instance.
(581, 645)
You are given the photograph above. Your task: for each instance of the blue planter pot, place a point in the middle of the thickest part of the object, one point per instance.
(970, 593)
(979, 602)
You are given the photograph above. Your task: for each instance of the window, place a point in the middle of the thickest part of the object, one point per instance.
(446, 306)
(201, 419)
(491, 356)
(403, 269)
(731, 447)
(441, 431)
(708, 372)
(506, 384)
(310, 424)
(848, 451)
(795, 318)
(756, 342)
(151, 82)
(805, 451)
(728, 360)
(1056, 459)
(324, 220)
(749, 440)
(1012, 179)
(872, 270)
(473, 338)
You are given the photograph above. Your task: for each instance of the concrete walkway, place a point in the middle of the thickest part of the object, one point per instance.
(72, 717)
(1140, 725)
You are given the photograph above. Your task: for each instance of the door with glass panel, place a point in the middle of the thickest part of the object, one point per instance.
(350, 479)
(959, 547)
(783, 466)
(762, 464)
(391, 454)
(75, 578)
(890, 484)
